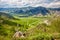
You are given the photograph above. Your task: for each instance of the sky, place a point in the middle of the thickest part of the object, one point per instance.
(26, 3)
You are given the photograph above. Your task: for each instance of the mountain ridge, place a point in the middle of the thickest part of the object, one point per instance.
(30, 11)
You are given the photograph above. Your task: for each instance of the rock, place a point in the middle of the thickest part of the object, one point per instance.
(18, 34)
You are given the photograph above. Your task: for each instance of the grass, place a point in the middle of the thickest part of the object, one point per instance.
(34, 28)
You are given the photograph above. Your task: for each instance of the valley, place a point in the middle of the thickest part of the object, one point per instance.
(34, 24)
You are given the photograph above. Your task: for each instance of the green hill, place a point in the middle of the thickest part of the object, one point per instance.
(32, 28)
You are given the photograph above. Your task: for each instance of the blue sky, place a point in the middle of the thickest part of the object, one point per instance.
(26, 3)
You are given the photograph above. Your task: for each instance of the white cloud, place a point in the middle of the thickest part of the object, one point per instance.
(54, 4)
(23, 3)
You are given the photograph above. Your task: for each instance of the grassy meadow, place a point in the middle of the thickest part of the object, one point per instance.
(34, 28)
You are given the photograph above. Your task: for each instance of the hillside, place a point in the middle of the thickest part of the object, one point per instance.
(36, 25)
(32, 28)
(3, 15)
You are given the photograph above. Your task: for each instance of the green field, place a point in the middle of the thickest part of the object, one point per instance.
(34, 28)
(28, 22)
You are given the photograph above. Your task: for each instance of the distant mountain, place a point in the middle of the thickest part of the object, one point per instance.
(26, 10)
(30, 11)
(37, 10)
(54, 9)
(33, 11)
